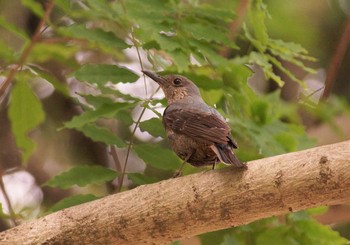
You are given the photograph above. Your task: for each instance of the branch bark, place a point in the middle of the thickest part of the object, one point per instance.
(183, 207)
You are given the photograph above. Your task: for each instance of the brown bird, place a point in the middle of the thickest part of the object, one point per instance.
(197, 133)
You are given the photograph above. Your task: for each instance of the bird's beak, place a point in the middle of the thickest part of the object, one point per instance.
(157, 78)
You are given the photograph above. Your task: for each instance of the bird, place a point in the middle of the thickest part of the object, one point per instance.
(197, 133)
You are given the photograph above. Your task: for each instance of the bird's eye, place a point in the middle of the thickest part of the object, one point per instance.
(177, 82)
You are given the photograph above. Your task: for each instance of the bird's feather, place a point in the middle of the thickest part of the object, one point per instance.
(207, 127)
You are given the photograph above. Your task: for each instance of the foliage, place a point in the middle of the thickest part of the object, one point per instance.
(298, 229)
(183, 37)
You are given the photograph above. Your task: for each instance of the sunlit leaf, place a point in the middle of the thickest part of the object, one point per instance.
(157, 156)
(101, 134)
(153, 126)
(101, 74)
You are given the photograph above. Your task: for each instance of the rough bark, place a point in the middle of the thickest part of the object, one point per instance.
(183, 207)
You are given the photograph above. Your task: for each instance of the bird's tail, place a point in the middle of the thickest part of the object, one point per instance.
(226, 155)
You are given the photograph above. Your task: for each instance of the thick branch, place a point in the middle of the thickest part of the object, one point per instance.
(178, 208)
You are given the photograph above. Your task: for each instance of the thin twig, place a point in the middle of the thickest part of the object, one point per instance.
(28, 49)
(337, 60)
(7, 200)
(115, 157)
(121, 179)
(140, 60)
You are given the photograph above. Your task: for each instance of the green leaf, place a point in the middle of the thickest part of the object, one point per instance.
(142, 179)
(13, 28)
(104, 111)
(101, 134)
(208, 32)
(82, 176)
(215, 237)
(101, 74)
(311, 232)
(287, 140)
(257, 15)
(154, 127)
(7, 54)
(157, 156)
(45, 52)
(230, 239)
(276, 235)
(34, 6)
(2, 214)
(260, 109)
(72, 201)
(25, 113)
(98, 36)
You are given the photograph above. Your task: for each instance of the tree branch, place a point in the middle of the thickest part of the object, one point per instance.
(183, 207)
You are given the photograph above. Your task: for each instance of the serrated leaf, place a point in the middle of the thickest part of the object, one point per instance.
(104, 111)
(25, 113)
(101, 74)
(169, 43)
(95, 35)
(157, 156)
(154, 127)
(213, 13)
(257, 15)
(210, 33)
(72, 201)
(101, 134)
(82, 175)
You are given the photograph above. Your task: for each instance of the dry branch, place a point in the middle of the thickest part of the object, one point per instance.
(178, 208)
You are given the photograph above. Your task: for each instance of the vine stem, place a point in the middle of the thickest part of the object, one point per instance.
(28, 49)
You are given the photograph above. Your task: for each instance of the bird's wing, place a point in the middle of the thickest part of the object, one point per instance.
(203, 126)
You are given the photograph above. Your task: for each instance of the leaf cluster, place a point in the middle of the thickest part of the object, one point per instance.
(183, 37)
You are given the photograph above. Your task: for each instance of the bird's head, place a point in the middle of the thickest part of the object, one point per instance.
(175, 87)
